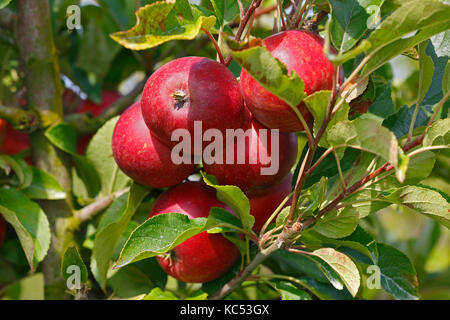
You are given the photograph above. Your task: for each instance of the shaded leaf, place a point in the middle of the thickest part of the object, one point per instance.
(29, 222)
(70, 259)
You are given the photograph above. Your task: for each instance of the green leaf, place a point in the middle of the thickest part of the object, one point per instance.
(420, 167)
(130, 282)
(29, 222)
(290, 292)
(72, 258)
(64, 137)
(438, 134)
(4, 3)
(400, 122)
(236, 199)
(351, 20)
(227, 10)
(368, 135)
(99, 154)
(160, 22)
(446, 80)
(383, 105)
(108, 237)
(397, 273)
(424, 201)
(20, 167)
(337, 224)
(343, 265)
(317, 104)
(271, 74)
(392, 36)
(158, 294)
(158, 235)
(44, 187)
(426, 71)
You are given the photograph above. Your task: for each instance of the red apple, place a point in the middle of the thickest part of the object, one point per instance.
(301, 51)
(206, 256)
(108, 98)
(12, 141)
(191, 89)
(141, 156)
(265, 202)
(249, 176)
(2, 229)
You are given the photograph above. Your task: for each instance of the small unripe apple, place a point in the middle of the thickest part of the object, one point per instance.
(265, 202)
(301, 51)
(141, 156)
(191, 89)
(12, 141)
(108, 98)
(205, 256)
(249, 176)
(2, 230)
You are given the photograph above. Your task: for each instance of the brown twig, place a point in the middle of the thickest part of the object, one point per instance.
(244, 21)
(214, 42)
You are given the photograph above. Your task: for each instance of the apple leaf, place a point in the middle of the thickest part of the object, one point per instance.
(446, 79)
(22, 170)
(164, 21)
(109, 235)
(424, 201)
(426, 71)
(394, 269)
(290, 292)
(4, 3)
(44, 187)
(235, 198)
(397, 274)
(158, 294)
(337, 224)
(71, 259)
(158, 235)
(227, 10)
(368, 135)
(412, 23)
(29, 222)
(99, 154)
(271, 74)
(317, 104)
(438, 134)
(64, 137)
(343, 266)
(351, 19)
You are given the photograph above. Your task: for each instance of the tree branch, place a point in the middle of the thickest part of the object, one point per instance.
(19, 118)
(38, 58)
(88, 212)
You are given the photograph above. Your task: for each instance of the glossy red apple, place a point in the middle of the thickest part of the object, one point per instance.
(191, 89)
(108, 98)
(301, 51)
(2, 229)
(265, 202)
(12, 141)
(141, 156)
(206, 256)
(249, 175)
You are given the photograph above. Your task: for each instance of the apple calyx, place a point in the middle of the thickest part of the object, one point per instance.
(181, 99)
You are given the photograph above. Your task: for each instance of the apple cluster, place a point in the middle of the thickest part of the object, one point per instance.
(197, 89)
